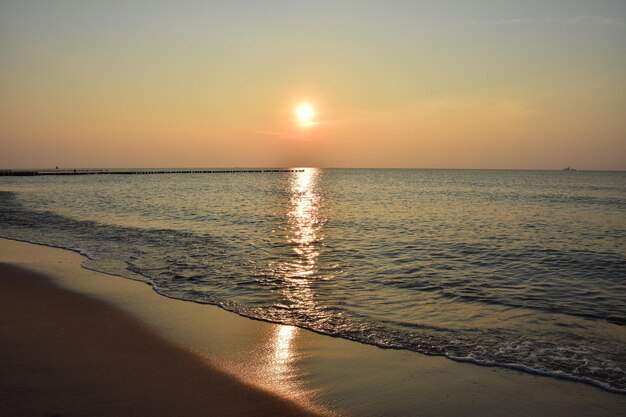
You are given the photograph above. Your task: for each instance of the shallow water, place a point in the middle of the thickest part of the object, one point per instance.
(523, 269)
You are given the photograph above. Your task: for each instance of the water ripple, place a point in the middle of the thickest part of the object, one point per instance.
(517, 269)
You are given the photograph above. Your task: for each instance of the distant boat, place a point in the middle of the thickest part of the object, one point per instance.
(569, 169)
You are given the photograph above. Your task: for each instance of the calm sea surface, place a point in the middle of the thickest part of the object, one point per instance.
(523, 269)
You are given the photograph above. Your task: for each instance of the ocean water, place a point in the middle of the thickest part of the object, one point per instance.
(520, 269)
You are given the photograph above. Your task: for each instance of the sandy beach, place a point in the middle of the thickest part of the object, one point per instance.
(78, 342)
(66, 354)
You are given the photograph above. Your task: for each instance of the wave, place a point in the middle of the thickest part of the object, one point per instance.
(205, 268)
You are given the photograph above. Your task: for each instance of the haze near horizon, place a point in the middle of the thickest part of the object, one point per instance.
(484, 84)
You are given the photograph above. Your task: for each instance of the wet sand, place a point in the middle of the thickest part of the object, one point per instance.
(67, 354)
(269, 367)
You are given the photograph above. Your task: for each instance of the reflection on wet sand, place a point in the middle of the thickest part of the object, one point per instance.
(282, 372)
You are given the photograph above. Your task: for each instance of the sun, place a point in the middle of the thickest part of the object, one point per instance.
(305, 114)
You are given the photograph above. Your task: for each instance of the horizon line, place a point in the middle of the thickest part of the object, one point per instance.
(303, 167)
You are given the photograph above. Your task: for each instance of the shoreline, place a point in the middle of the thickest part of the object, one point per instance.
(318, 372)
(65, 353)
(145, 280)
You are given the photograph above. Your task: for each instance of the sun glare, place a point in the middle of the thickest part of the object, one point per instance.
(305, 114)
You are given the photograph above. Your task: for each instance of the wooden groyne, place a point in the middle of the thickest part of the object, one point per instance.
(34, 173)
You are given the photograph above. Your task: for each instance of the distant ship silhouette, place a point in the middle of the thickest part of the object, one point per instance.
(569, 169)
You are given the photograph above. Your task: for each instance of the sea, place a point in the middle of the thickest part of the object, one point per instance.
(518, 269)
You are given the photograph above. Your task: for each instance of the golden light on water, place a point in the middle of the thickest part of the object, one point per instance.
(305, 224)
(303, 233)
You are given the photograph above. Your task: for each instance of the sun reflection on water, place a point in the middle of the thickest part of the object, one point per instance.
(297, 272)
(304, 223)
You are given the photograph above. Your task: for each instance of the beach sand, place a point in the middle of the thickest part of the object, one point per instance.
(78, 342)
(68, 354)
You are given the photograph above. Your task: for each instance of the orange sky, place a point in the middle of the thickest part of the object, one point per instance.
(505, 84)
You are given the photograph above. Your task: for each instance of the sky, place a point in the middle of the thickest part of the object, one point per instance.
(496, 84)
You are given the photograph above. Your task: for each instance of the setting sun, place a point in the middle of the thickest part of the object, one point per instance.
(305, 114)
